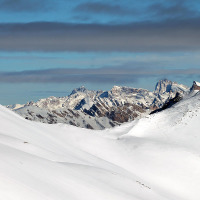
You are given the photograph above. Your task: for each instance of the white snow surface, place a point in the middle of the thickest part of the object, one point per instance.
(154, 158)
(197, 83)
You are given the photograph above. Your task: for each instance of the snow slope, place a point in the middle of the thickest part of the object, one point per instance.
(40, 161)
(197, 83)
(154, 158)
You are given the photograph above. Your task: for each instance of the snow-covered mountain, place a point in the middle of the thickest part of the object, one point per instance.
(100, 109)
(153, 158)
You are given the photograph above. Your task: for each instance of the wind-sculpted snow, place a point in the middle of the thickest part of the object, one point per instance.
(40, 161)
(100, 109)
(154, 158)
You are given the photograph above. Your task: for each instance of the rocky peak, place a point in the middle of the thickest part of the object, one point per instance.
(116, 88)
(125, 90)
(29, 103)
(163, 86)
(195, 86)
(166, 86)
(80, 89)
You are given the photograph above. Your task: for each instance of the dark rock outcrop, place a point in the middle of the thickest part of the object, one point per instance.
(169, 104)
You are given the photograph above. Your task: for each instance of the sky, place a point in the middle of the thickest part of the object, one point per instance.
(50, 47)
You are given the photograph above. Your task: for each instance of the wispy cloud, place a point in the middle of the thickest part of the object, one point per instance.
(170, 35)
(177, 9)
(24, 5)
(156, 10)
(121, 74)
(103, 8)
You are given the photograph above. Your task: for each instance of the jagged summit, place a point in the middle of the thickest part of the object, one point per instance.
(165, 85)
(195, 86)
(196, 83)
(117, 90)
(80, 89)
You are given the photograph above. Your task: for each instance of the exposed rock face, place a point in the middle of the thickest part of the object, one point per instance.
(166, 89)
(100, 109)
(195, 86)
(163, 86)
(169, 103)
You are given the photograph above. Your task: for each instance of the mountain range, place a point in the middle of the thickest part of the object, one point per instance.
(101, 109)
(156, 157)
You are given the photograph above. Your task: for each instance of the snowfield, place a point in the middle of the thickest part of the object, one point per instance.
(154, 158)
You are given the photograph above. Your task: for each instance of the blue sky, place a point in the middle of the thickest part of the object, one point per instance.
(49, 47)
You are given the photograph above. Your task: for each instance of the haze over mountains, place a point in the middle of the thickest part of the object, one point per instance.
(100, 109)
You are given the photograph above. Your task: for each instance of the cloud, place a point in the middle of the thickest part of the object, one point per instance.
(117, 75)
(170, 35)
(24, 5)
(158, 10)
(176, 9)
(103, 8)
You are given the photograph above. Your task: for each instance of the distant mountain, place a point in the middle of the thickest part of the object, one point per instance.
(100, 109)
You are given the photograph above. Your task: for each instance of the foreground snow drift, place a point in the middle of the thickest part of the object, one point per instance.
(155, 158)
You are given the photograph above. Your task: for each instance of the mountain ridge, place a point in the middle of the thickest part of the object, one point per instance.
(100, 109)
